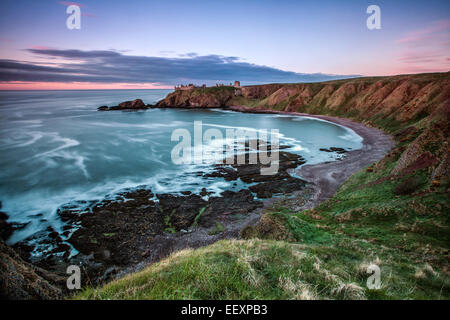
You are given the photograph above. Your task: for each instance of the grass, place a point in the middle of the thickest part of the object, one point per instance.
(219, 228)
(197, 217)
(169, 227)
(269, 269)
(237, 269)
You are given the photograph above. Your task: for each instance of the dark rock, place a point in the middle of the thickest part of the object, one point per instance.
(179, 211)
(53, 234)
(229, 204)
(136, 104)
(116, 227)
(284, 186)
(252, 172)
(22, 281)
(116, 233)
(334, 149)
(6, 229)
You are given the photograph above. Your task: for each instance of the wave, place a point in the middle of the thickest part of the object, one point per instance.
(350, 135)
(283, 139)
(150, 125)
(67, 143)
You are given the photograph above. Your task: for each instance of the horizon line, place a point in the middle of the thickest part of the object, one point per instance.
(173, 87)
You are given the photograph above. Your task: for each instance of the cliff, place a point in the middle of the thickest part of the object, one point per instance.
(212, 97)
(400, 98)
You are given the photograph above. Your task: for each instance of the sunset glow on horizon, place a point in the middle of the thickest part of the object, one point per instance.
(304, 42)
(13, 85)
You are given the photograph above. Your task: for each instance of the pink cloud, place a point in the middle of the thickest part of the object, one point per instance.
(426, 33)
(41, 47)
(426, 50)
(413, 57)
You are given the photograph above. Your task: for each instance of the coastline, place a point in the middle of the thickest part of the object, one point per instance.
(325, 178)
(417, 186)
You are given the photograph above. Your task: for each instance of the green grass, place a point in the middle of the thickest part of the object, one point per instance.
(216, 91)
(253, 269)
(169, 227)
(219, 228)
(198, 216)
(268, 269)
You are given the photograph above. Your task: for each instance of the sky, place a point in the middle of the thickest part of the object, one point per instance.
(158, 44)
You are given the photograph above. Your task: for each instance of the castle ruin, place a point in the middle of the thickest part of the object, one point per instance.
(237, 84)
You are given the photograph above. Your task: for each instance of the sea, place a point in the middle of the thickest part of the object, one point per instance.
(57, 149)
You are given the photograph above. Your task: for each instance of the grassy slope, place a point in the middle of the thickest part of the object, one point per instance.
(395, 218)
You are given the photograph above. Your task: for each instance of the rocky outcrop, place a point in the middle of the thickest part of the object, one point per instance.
(6, 229)
(214, 97)
(121, 234)
(136, 104)
(20, 280)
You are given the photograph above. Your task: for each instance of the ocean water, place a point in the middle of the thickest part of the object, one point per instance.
(57, 149)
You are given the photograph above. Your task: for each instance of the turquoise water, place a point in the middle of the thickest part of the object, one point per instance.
(56, 148)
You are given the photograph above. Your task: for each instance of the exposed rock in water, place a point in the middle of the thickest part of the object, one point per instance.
(136, 104)
(6, 229)
(278, 183)
(334, 149)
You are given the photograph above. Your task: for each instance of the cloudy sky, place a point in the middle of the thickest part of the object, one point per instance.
(157, 44)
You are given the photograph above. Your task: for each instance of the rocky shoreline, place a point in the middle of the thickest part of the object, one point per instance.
(116, 237)
(121, 235)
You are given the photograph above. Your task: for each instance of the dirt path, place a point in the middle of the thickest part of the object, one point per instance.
(326, 177)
